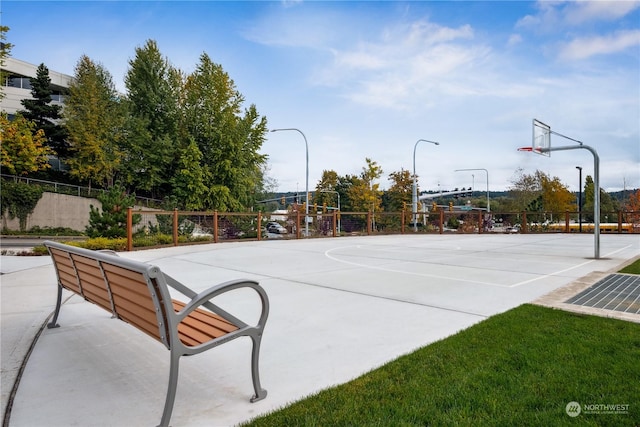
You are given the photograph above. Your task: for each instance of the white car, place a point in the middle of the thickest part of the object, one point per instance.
(276, 228)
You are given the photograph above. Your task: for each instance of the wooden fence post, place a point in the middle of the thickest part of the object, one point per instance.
(129, 229)
(259, 229)
(215, 226)
(175, 227)
(441, 221)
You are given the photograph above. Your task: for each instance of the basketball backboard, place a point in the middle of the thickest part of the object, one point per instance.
(541, 141)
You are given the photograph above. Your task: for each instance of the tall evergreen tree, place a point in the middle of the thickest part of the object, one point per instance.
(43, 113)
(228, 140)
(608, 206)
(153, 88)
(94, 118)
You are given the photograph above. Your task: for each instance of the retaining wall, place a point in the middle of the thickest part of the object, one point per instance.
(56, 210)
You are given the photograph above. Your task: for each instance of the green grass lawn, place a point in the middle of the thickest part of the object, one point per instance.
(519, 368)
(633, 268)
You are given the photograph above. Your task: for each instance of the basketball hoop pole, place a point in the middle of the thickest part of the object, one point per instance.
(596, 187)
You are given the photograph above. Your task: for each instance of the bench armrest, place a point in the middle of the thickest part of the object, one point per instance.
(203, 299)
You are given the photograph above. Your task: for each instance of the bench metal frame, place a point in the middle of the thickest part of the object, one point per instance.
(168, 318)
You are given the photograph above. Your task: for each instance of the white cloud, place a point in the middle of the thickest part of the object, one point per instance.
(555, 15)
(514, 39)
(579, 12)
(585, 47)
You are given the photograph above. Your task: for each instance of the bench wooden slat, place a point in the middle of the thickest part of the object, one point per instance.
(201, 326)
(132, 299)
(65, 269)
(94, 288)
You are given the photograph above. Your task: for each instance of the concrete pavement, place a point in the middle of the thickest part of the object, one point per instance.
(339, 308)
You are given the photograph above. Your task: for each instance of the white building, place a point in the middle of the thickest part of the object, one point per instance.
(16, 85)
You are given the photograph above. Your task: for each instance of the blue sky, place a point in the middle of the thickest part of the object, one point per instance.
(369, 79)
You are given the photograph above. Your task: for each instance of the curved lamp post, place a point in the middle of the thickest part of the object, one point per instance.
(414, 204)
(487, 172)
(306, 197)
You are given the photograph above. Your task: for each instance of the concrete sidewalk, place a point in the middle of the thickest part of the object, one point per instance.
(339, 308)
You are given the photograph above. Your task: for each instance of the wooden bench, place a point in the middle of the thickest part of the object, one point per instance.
(138, 293)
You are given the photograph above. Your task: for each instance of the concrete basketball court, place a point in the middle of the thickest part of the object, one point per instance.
(339, 308)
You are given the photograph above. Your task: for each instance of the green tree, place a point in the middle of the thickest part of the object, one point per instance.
(228, 140)
(343, 186)
(524, 189)
(326, 189)
(111, 221)
(154, 88)
(5, 50)
(43, 113)
(400, 192)
(22, 150)
(94, 119)
(365, 195)
(190, 182)
(608, 206)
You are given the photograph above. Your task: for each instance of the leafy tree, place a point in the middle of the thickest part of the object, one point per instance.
(400, 192)
(22, 150)
(364, 193)
(525, 189)
(228, 140)
(19, 200)
(94, 119)
(607, 204)
(191, 178)
(556, 197)
(154, 88)
(326, 188)
(539, 192)
(343, 186)
(43, 113)
(5, 50)
(112, 220)
(633, 206)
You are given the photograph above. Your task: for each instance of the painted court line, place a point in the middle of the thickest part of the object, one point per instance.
(328, 254)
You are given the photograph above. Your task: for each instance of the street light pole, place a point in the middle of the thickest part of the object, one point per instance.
(306, 208)
(414, 205)
(579, 197)
(487, 172)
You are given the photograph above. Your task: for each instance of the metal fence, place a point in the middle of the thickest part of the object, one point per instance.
(74, 190)
(153, 228)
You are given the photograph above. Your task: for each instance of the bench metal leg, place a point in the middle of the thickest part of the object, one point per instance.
(260, 393)
(171, 391)
(53, 323)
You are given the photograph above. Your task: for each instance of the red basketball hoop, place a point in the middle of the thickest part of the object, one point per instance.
(531, 149)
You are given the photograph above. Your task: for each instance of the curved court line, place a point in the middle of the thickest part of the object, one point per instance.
(326, 253)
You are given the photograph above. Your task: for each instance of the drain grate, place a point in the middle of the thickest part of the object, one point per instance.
(618, 292)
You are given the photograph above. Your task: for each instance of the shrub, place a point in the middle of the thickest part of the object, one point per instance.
(112, 221)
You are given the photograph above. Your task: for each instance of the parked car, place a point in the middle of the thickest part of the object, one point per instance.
(276, 228)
